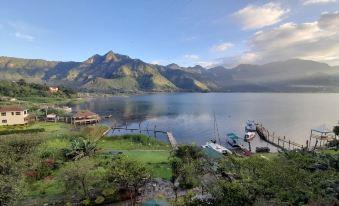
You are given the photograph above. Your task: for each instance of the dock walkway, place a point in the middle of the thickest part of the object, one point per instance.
(169, 135)
(277, 141)
(172, 140)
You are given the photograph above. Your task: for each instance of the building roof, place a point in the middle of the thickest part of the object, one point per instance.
(11, 109)
(51, 116)
(83, 114)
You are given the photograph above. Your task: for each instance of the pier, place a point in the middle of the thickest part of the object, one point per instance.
(172, 140)
(280, 142)
(170, 136)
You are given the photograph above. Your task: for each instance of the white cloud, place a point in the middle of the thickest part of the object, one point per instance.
(191, 56)
(308, 2)
(26, 37)
(221, 47)
(318, 41)
(207, 64)
(156, 62)
(255, 17)
(193, 59)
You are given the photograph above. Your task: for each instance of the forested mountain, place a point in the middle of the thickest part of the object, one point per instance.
(114, 72)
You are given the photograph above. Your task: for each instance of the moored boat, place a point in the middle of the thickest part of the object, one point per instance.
(250, 126)
(249, 136)
(217, 147)
(232, 140)
(262, 149)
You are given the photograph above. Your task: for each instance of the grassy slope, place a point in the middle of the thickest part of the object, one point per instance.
(51, 128)
(155, 154)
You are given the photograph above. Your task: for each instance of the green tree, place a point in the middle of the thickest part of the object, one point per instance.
(129, 174)
(78, 176)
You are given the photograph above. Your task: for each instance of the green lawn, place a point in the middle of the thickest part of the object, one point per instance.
(150, 156)
(116, 142)
(50, 127)
(156, 160)
(148, 151)
(331, 152)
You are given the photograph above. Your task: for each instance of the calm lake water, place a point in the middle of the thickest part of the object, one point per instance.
(190, 115)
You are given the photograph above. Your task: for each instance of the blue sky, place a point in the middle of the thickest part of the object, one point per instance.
(186, 32)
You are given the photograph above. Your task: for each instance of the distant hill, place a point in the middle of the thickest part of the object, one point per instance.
(112, 72)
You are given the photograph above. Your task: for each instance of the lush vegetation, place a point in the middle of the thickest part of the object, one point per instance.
(22, 89)
(292, 178)
(70, 167)
(132, 142)
(143, 149)
(21, 131)
(63, 167)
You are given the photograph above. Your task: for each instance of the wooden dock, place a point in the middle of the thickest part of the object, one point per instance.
(172, 140)
(170, 136)
(280, 142)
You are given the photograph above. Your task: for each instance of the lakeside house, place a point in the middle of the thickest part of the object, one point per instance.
(67, 109)
(53, 89)
(85, 117)
(13, 115)
(51, 118)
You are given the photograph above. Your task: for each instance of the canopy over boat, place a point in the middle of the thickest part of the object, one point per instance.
(232, 136)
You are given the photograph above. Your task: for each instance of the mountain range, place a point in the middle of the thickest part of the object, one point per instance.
(112, 73)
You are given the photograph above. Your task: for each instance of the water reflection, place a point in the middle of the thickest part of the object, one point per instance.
(190, 116)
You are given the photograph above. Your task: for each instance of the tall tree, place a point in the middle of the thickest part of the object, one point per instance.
(129, 174)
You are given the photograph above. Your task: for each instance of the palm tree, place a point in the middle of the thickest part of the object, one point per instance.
(81, 147)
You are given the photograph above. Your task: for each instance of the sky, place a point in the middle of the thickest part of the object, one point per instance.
(186, 32)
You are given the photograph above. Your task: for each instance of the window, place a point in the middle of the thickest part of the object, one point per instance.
(4, 121)
(25, 112)
(18, 113)
(12, 113)
(3, 113)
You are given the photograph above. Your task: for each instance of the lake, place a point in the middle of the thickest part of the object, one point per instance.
(190, 116)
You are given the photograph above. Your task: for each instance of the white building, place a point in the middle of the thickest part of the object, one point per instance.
(13, 116)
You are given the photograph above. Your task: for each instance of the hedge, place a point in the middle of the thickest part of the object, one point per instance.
(24, 131)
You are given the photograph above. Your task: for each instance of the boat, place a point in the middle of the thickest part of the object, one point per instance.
(232, 140)
(262, 149)
(213, 143)
(217, 147)
(249, 136)
(250, 126)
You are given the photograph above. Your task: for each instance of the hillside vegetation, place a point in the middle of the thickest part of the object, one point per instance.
(23, 89)
(112, 73)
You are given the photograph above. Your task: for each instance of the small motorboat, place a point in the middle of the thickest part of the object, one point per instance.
(217, 147)
(249, 136)
(232, 140)
(262, 150)
(250, 126)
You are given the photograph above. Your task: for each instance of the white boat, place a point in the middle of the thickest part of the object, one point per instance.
(250, 126)
(249, 136)
(217, 147)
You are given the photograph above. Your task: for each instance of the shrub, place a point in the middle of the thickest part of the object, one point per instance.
(108, 192)
(86, 202)
(22, 131)
(99, 200)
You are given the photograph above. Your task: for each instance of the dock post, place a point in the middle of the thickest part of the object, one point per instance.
(140, 127)
(284, 142)
(249, 146)
(307, 146)
(289, 144)
(316, 142)
(310, 140)
(155, 133)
